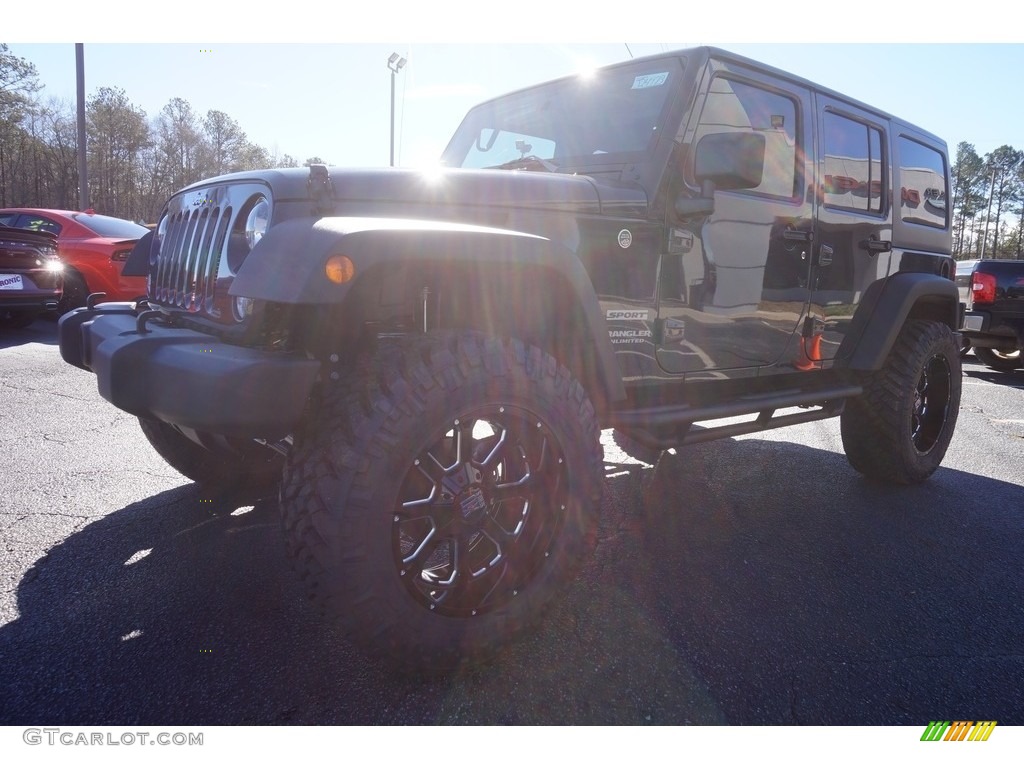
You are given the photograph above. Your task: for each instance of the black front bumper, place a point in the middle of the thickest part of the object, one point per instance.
(185, 377)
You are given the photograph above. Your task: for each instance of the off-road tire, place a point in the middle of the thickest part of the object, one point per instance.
(635, 449)
(437, 501)
(222, 472)
(1000, 361)
(898, 430)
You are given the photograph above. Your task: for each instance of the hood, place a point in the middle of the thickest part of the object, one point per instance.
(402, 187)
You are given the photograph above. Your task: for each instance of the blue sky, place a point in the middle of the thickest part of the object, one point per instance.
(330, 96)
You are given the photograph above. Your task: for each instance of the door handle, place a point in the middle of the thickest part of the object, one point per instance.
(796, 235)
(873, 245)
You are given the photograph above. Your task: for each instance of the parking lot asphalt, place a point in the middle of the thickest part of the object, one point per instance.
(751, 581)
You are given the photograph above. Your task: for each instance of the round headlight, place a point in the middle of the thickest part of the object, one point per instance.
(257, 222)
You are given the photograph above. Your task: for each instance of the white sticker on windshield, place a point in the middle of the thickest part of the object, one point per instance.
(650, 81)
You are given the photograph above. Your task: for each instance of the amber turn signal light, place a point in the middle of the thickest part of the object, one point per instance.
(340, 269)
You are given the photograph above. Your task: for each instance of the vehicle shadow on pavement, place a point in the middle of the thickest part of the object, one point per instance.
(759, 582)
(1013, 379)
(42, 331)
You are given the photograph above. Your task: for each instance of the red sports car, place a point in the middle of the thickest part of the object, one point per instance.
(92, 247)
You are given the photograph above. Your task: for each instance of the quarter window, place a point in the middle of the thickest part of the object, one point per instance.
(923, 179)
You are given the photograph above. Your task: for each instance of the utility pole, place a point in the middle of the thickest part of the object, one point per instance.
(83, 171)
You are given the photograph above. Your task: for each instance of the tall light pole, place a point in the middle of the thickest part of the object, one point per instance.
(83, 170)
(395, 63)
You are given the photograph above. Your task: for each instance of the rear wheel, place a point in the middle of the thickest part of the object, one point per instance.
(75, 292)
(437, 504)
(1000, 361)
(222, 470)
(899, 429)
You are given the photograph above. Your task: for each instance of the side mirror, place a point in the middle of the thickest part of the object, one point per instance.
(730, 160)
(137, 264)
(723, 161)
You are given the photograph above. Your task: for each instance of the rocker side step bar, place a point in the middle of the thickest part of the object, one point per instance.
(664, 427)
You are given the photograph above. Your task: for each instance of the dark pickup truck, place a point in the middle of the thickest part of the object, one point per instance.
(994, 317)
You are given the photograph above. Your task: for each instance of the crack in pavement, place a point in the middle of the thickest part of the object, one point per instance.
(23, 388)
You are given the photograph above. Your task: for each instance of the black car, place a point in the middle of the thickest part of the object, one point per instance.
(31, 277)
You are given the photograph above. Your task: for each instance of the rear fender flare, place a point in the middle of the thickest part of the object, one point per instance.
(886, 306)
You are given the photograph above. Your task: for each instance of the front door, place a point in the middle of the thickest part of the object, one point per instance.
(733, 286)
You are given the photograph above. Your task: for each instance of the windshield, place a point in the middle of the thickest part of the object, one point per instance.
(610, 117)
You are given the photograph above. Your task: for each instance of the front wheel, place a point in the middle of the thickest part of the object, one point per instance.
(898, 430)
(1000, 361)
(436, 504)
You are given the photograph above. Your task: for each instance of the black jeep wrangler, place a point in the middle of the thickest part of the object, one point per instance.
(425, 359)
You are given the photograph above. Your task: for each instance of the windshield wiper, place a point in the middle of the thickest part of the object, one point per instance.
(525, 162)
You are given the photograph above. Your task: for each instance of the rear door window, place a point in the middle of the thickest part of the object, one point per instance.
(853, 165)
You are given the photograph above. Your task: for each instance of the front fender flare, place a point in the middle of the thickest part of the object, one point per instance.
(287, 265)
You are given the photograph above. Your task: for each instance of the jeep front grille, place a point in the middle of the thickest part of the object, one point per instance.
(186, 271)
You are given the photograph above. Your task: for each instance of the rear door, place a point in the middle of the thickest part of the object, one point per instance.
(853, 239)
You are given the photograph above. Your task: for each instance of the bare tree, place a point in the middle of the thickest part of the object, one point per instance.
(183, 154)
(117, 132)
(19, 83)
(226, 141)
(59, 140)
